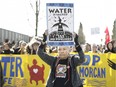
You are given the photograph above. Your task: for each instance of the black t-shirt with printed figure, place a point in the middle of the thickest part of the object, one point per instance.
(63, 74)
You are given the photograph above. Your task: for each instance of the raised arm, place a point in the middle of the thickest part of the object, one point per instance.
(45, 57)
(41, 51)
(80, 59)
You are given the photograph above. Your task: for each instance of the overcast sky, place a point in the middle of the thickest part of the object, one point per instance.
(19, 16)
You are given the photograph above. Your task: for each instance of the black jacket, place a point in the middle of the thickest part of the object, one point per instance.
(74, 62)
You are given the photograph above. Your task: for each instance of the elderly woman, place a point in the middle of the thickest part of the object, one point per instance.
(64, 66)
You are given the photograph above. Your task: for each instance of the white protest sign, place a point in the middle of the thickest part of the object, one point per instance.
(60, 24)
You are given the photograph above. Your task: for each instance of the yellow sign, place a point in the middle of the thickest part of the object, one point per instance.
(99, 70)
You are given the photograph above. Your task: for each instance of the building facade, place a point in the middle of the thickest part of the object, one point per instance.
(12, 36)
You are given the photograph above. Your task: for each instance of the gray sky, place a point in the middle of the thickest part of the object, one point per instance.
(19, 16)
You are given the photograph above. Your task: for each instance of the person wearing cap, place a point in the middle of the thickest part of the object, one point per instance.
(64, 66)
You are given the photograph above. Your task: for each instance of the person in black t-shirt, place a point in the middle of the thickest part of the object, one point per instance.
(63, 67)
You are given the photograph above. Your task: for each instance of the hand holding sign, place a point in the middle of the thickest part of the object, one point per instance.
(76, 39)
(45, 35)
(78, 47)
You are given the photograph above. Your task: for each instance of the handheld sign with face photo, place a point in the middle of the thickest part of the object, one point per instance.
(60, 24)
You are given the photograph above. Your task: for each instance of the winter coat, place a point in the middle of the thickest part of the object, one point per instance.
(74, 62)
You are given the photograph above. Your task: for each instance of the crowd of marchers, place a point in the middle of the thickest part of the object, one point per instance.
(22, 47)
(110, 47)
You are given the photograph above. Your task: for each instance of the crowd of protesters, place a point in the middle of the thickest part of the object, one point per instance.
(31, 47)
(110, 47)
(23, 47)
(20, 47)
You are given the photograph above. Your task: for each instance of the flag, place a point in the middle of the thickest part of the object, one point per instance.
(107, 37)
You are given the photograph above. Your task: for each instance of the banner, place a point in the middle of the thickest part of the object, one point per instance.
(24, 71)
(99, 70)
(60, 24)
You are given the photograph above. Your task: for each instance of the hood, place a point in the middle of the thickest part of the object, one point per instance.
(35, 39)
